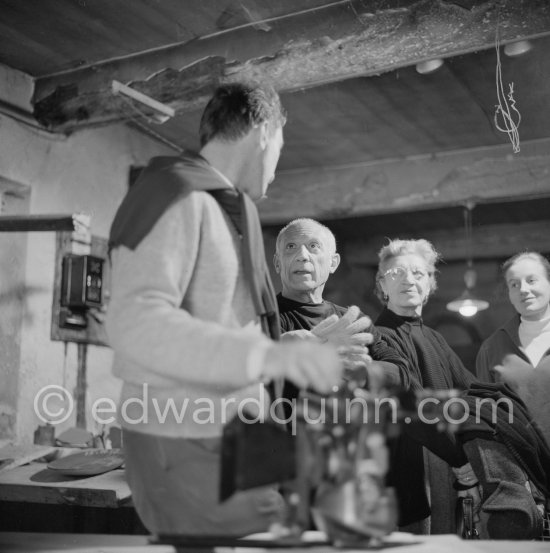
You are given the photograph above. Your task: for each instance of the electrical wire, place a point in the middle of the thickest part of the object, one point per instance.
(506, 105)
(468, 206)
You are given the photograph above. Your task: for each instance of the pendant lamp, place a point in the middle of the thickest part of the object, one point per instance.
(467, 304)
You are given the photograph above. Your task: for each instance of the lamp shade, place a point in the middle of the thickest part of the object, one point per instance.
(467, 304)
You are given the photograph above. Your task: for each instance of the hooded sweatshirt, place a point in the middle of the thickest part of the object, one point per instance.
(181, 319)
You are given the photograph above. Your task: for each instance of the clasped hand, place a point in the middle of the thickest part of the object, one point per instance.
(347, 334)
(348, 330)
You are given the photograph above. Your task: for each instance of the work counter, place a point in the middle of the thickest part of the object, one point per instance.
(42, 511)
(34, 483)
(34, 498)
(399, 543)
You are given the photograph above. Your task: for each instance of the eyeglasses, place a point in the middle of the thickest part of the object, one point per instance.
(399, 273)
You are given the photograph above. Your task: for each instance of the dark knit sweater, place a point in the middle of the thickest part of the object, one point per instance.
(304, 316)
(432, 364)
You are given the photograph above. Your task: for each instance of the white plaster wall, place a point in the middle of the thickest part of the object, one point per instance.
(85, 172)
(13, 295)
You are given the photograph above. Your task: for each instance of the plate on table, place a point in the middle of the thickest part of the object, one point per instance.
(88, 462)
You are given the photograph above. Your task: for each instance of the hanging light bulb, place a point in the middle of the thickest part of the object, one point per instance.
(467, 304)
(468, 309)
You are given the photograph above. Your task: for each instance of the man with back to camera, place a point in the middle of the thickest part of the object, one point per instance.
(190, 295)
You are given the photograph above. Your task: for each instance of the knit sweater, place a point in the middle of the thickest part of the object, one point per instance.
(297, 315)
(433, 364)
(438, 367)
(181, 319)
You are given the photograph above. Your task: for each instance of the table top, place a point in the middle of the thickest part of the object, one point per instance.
(35, 483)
(27, 542)
(14, 542)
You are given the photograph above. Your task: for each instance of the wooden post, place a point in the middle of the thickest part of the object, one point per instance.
(80, 391)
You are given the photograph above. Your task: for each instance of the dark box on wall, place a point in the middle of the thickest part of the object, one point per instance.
(82, 281)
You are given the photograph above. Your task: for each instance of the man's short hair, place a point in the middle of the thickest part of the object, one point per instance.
(235, 108)
(331, 240)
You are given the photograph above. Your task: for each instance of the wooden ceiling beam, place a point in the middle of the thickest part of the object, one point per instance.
(337, 42)
(424, 182)
(488, 242)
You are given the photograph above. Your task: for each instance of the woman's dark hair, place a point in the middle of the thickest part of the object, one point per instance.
(236, 108)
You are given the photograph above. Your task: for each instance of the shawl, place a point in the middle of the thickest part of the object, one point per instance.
(167, 179)
(432, 362)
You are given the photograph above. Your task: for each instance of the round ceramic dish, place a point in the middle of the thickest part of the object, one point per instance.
(89, 462)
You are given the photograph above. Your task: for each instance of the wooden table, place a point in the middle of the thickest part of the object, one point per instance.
(12, 542)
(34, 483)
(34, 498)
(23, 542)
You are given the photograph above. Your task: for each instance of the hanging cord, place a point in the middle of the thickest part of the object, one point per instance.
(469, 275)
(468, 232)
(468, 228)
(505, 106)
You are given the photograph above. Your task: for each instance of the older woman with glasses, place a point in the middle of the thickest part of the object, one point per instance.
(480, 453)
(404, 282)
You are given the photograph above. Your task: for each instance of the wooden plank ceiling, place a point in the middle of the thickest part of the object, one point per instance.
(367, 134)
